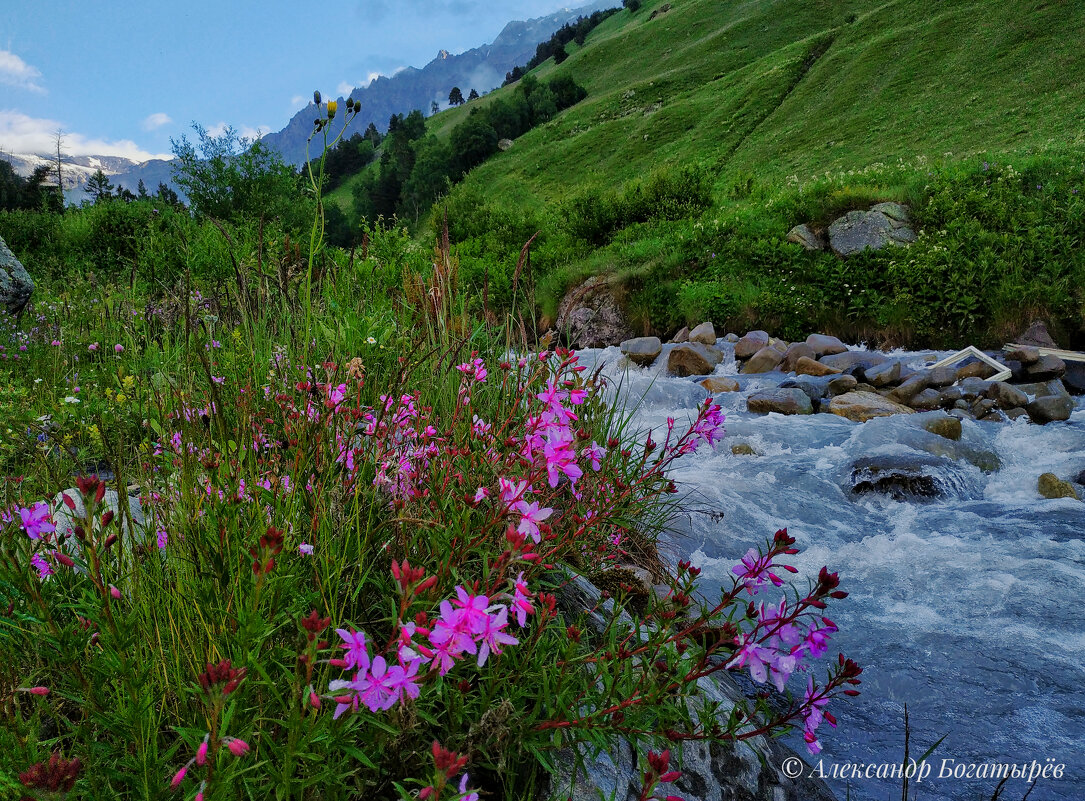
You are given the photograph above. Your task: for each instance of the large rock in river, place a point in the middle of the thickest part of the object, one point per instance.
(589, 316)
(781, 401)
(750, 344)
(642, 350)
(16, 285)
(693, 359)
(863, 406)
(764, 361)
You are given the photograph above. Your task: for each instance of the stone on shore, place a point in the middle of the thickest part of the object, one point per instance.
(806, 366)
(716, 385)
(693, 359)
(825, 345)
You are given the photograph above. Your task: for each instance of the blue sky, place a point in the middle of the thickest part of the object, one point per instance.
(120, 77)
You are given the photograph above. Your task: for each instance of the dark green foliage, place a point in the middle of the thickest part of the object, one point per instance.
(555, 46)
(473, 95)
(473, 141)
(347, 158)
(17, 192)
(632, 5)
(455, 97)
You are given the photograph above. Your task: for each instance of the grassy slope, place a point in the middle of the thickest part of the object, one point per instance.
(724, 83)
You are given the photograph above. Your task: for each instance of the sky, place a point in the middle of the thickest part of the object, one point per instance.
(121, 77)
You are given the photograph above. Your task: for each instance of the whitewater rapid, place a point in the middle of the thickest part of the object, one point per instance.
(968, 607)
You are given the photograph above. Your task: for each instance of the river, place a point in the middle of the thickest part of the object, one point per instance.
(967, 607)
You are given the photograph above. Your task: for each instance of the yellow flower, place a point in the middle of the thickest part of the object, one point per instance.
(332, 107)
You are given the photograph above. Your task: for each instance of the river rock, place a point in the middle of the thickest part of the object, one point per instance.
(852, 359)
(693, 359)
(781, 401)
(882, 375)
(750, 344)
(682, 335)
(16, 285)
(1006, 396)
(1016, 414)
(863, 406)
(716, 384)
(642, 350)
(743, 449)
(972, 388)
(589, 315)
(841, 384)
(825, 345)
(944, 426)
(731, 338)
(1026, 354)
(804, 235)
(885, 224)
(939, 377)
(902, 477)
(1046, 368)
(705, 333)
(794, 352)
(1050, 402)
(1051, 486)
(1037, 336)
(1074, 380)
(806, 366)
(910, 388)
(764, 361)
(974, 368)
(927, 400)
(983, 407)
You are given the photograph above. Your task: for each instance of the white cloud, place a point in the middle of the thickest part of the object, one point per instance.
(344, 87)
(156, 120)
(20, 133)
(298, 100)
(16, 72)
(243, 131)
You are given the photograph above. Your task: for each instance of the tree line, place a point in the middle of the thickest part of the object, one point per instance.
(555, 46)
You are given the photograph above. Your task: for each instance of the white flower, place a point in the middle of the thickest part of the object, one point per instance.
(371, 340)
(71, 399)
(305, 549)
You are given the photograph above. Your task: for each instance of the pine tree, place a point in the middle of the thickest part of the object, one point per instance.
(455, 97)
(99, 187)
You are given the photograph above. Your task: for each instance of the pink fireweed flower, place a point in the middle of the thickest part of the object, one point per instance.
(474, 369)
(511, 491)
(336, 395)
(41, 566)
(772, 619)
(481, 494)
(377, 688)
(530, 517)
(92, 347)
(403, 680)
(179, 777)
(237, 747)
(817, 639)
(201, 752)
(751, 654)
(163, 539)
(113, 591)
(471, 610)
(812, 708)
(37, 521)
(464, 795)
(755, 570)
(356, 655)
(43, 691)
(493, 636)
(594, 454)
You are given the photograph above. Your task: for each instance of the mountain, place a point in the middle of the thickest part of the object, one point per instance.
(75, 170)
(482, 68)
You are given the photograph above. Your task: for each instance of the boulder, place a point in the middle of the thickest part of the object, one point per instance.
(1051, 486)
(1050, 402)
(682, 335)
(840, 384)
(731, 338)
(722, 384)
(824, 345)
(939, 377)
(863, 406)
(743, 449)
(589, 316)
(804, 235)
(974, 368)
(794, 352)
(764, 361)
(1046, 368)
(807, 366)
(853, 359)
(750, 344)
(902, 477)
(504, 144)
(1006, 396)
(693, 359)
(1026, 354)
(815, 388)
(781, 401)
(972, 388)
(882, 375)
(1037, 336)
(16, 285)
(885, 224)
(1074, 380)
(705, 333)
(642, 350)
(1016, 414)
(927, 400)
(944, 426)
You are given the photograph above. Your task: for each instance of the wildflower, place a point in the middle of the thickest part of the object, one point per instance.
(58, 775)
(370, 341)
(114, 592)
(42, 691)
(218, 380)
(201, 752)
(71, 399)
(480, 494)
(163, 539)
(531, 516)
(595, 455)
(521, 602)
(36, 520)
(305, 549)
(750, 654)
(354, 644)
(755, 570)
(92, 348)
(237, 747)
(511, 490)
(493, 635)
(178, 777)
(118, 348)
(41, 565)
(464, 795)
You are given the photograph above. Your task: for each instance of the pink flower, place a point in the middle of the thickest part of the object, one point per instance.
(750, 654)
(530, 517)
(357, 656)
(237, 747)
(464, 795)
(755, 570)
(511, 491)
(36, 520)
(521, 602)
(305, 549)
(595, 455)
(41, 565)
(493, 635)
(93, 347)
(480, 494)
(201, 752)
(118, 348)
(178, 777)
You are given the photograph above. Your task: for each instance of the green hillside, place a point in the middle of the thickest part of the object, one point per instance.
(795, 110)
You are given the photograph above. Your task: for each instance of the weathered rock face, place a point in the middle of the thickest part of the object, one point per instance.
(1045, 368)
(885, 224)
(1051, 486)
(1037, 336)
(589, 316)
(642, 350)
(693, 359)
(863, 406)
(705, 333)
(1025, 354)
(883, 375)
(781, 401)
(16, 285)
(764, 361)
(1006, 396)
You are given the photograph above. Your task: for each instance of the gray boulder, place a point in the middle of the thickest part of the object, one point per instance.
(1045, 368)
(682, 335)
(764, 361)
(804, 235)
(794, 352)
(705, 333)
(1037, 336)
(825, 345)
(750, 344)
(853, 359)
(1050, 402)
(589, 316)
(16, 285)
(781, 401)
(885, 224)
(1006, 396)
(642, 350)
(883, 375)
(693, 359)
